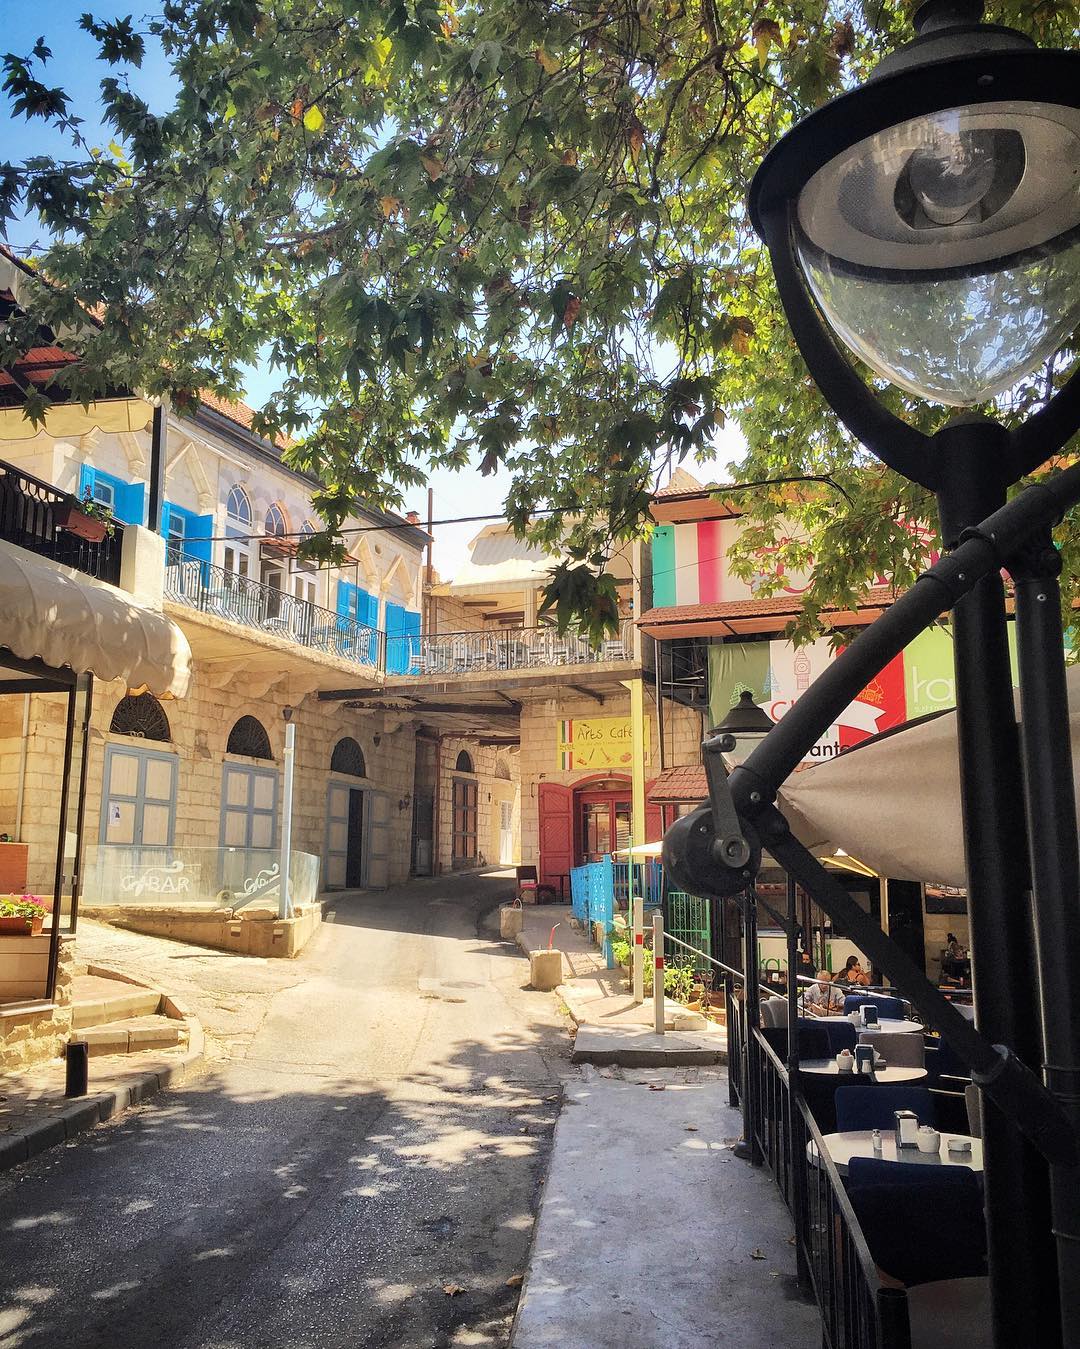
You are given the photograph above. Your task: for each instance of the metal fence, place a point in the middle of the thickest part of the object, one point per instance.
(238, 599)
(688, 922)
(511, 649)
(32, 514)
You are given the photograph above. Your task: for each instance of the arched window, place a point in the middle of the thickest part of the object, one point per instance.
(140, 715)
(502, 770)
(348, 758)
(238, 507)
(307, 529)
(249, 737)
(275, 524)
(464, 763)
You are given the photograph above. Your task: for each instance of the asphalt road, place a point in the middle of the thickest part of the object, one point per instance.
(379, 1139)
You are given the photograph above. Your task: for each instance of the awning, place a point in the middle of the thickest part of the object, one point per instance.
(60, 616)
(674, 786)
(641, 850)
(894, 801)
(69, 420)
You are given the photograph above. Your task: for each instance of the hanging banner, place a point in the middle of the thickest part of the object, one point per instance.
(918, 681)
(597, 743)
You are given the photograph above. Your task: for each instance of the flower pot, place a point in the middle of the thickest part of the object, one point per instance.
(36, 924)
(77, 522)
(18, 927)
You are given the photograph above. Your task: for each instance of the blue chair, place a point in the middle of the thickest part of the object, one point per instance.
(841, 1036)
(874, 1171)
(941, 1061)
(872, 1107)
(813, 1040)
(923, 1231)
(886, 1007)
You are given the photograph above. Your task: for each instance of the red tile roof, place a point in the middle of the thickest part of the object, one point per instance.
(675, 785)
(239, 413)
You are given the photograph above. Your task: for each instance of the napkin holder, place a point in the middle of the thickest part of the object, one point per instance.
(868, 1014)
(907, 1129)
(864, 1059)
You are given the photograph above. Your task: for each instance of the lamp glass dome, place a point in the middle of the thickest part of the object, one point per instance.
(945, 251)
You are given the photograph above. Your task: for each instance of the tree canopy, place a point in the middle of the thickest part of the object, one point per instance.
(505, 230)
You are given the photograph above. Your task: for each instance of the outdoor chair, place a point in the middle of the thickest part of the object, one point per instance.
(893, 1008)
(527, 884)
(872, 1107)
(875, 1171)
(813, 1041)
(943, 1062)
(838, 1035)
(899, 1050)
(921, 1232)
(774, 1012)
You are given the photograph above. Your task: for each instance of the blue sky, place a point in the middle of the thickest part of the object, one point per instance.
(74, 67)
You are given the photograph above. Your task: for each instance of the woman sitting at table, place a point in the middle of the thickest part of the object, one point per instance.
(853, 974)
(823, 998)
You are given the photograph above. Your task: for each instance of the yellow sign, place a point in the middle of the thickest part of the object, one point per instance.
(597, 743)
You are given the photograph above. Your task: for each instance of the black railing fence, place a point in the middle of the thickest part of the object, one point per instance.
(31, 512)
(239, 599)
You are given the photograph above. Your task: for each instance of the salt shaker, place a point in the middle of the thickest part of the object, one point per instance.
(875, 1139)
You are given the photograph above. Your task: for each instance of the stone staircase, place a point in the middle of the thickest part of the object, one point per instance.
(113, 1017)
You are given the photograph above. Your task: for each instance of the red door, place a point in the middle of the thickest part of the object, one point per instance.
(556, 805)
(654, 817)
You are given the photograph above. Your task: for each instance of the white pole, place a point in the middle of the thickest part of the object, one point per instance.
(285, 906)
(658, 971)
(638, 909)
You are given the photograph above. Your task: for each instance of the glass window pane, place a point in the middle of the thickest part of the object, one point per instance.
(123, 774)
(155, 825)
(120, 822)
(262, 831)
(237, 788)
(264, 791)
(235, 829)
(159, 779)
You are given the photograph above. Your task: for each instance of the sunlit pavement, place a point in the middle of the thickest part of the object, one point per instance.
(375, 1139)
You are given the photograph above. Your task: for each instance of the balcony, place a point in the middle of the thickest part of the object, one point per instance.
(459, 653)
(238, 599)
(30, 512)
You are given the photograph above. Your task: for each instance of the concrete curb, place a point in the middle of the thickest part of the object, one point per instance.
(87, 1111)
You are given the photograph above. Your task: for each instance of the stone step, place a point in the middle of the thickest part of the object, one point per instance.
(132, 1035)
(96, 1001)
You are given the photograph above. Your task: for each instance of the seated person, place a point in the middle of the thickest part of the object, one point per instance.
(823, 998)
(853, 974)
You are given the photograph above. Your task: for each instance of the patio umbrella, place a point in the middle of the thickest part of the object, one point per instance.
(894, 800)
(641, 850)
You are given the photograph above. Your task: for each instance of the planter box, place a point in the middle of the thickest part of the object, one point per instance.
(77, 522)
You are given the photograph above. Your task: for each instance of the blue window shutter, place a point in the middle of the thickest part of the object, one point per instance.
(346, 605)
(86, 479)
(167, 509)
(130, 502)
(412, 632)
(200, 530)
(397, 656)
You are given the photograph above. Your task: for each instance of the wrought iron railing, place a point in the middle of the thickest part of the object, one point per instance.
(31, 512)
(239, 599)
(503, 649)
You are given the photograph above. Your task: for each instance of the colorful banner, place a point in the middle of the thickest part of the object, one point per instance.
(597, 743)
(918, 681)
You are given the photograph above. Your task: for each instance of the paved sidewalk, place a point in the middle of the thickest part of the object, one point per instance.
(651, 1232)
(612, 1028)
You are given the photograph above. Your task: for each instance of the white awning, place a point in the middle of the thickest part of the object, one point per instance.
(64, 618)
(894, 802)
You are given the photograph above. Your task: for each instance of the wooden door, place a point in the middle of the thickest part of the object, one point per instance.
(556, 806)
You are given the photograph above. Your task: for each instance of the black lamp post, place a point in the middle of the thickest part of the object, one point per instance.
(930, 220)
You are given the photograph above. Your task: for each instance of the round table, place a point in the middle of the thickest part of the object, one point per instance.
(887, 1025)
(859, 1143)
(829, 1067)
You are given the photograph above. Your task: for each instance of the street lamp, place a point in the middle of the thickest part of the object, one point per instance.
(930, 220)
(746, 724)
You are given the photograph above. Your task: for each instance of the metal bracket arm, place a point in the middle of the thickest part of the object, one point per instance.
(1013, 1087)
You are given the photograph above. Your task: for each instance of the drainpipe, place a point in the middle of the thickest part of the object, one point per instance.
(23, 750)
(285, 909)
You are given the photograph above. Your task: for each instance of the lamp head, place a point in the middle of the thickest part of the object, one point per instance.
(935, 212)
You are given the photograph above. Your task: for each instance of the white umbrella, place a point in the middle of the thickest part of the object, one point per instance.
(641, 850)
(894, 802)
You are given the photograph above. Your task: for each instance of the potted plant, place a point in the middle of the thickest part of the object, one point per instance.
(21, 917)
(88, 519)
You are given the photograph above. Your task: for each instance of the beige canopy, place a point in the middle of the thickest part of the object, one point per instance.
(66, 421)
(64, 618)
(894, 803)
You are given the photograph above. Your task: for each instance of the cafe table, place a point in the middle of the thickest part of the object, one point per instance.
(860, 1143)
(886, 1025)
(830, 1068)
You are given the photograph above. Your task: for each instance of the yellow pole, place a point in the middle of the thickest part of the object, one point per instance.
(637, 746)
